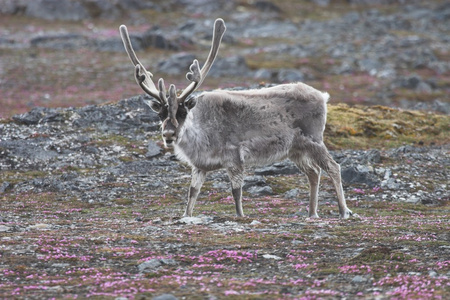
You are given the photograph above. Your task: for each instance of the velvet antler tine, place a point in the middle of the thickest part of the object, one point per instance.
(173, 105)
(219, 30)
(143, 77)
(162, 90)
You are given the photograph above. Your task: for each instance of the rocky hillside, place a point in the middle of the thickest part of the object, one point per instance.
(68, 53)
(91, 204)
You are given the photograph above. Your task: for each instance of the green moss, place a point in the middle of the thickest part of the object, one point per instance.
(400, 256)
(379, 126)
(19, 176)
(373, 254)
(123, 201)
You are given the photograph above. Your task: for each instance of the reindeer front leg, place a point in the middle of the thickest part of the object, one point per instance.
(198, 177)
(236, 175)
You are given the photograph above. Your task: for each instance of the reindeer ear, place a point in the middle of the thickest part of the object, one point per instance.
(154, 105)
(190, 103)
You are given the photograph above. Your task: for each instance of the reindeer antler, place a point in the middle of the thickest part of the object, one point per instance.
(143, 77)
(195, 75)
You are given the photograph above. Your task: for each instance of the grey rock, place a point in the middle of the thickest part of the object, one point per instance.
(143, 167)
(155, 38)
(260, 190)
(280, 168)
(322, 3)
(69, 10)
(149, 265)
(165, 297)
(60, 265)
(266, 6)
(346, 67)
(153, 264)
(352, 174)
(359, 279)
(256, 180)
(36, 115)
(168, 261)
(290, 75)
(390, 184)
(413, 82)
(57, 10)
(292, 194)
(400, 151)
(340, 50)
(5, 187)
(129, 114)
(176, 64)
(264, 74)
(372, 156)
(230, 66)
(60, 41)
(12, 7)
(270, 29)
(206, 6)
(4, 228)
(220, 185)
(29, 149)
(370, 65)
(440, 106)
(111, 45)
(91, 150)
(257, 185)
(191, 220)
(153, 150)
(351, 17)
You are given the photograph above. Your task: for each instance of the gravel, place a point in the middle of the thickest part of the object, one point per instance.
(118, 143)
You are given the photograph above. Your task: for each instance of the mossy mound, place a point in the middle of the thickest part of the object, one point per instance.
(383, 127)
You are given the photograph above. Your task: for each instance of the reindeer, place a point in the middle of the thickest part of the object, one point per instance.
(233, 129)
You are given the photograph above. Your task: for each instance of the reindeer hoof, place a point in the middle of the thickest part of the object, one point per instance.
(313, 216)
(347, 214)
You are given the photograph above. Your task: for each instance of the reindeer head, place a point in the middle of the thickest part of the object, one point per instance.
(172, 109)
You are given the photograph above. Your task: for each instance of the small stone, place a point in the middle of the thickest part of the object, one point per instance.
(432, 273)
(4, 228)
(152, 150)
(292, 194)
(290, 75)
(5, 187)
(149, 265)
(280, 168)
(40, 226)
(191, 220)
(359, 279)
(263, 74)
(176, 63)
(168, 261)
(165, 297)
(60, 265)
(270, 256)
(220, 185)
(372, 156)
(260, 190)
